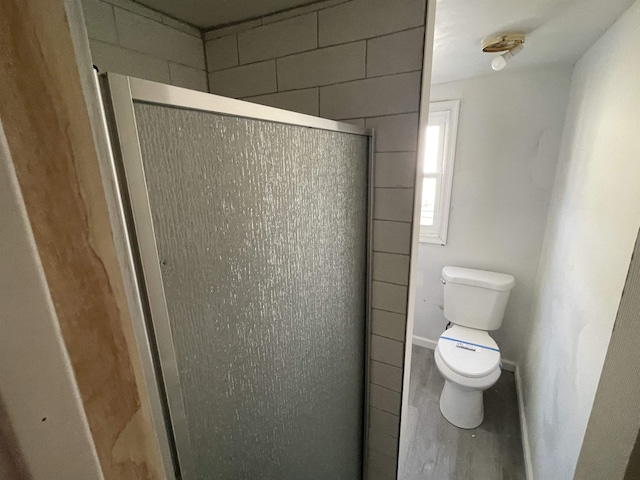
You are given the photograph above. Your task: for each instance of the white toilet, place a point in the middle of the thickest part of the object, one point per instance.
(467, 357)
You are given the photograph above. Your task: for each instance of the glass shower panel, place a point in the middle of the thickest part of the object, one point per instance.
(261, 235)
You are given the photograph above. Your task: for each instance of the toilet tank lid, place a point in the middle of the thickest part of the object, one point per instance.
(479, 278)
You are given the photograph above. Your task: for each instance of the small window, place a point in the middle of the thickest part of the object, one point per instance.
(437, 175)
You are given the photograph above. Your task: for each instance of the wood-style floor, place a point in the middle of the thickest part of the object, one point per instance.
(436, 450)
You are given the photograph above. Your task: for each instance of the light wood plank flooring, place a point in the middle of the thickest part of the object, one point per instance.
(436, 450)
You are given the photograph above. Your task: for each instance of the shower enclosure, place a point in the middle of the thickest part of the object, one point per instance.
(249, 230)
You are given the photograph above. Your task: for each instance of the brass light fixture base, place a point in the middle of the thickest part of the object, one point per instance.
(502, 43)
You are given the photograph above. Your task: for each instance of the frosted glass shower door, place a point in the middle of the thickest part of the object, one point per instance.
(257, 239)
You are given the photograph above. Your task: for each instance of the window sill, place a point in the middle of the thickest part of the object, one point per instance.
(432, 240)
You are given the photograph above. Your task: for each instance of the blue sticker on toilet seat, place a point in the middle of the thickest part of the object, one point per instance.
(463, 344)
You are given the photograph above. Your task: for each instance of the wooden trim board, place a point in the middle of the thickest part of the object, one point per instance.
(49, 135)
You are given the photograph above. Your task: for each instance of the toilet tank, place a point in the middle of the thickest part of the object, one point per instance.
(475, 298)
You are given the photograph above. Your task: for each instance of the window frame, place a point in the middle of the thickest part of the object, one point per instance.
(448, 111)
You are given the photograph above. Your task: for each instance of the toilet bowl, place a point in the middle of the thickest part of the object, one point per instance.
(467, 357)
(469, 361)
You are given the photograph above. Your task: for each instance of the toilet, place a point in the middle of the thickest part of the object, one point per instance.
(466, 356)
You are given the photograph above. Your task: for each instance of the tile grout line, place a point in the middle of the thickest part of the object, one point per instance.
(388, 338)
(366, 58)
(393, 221)
(395, 151)
(377, 430)
(384, 411)
(388, 311)
(398, 254)
(387, 251)
(391, 311)
(261, 19)
(380, 432)
(317, 48)
(327, 84)
(160, 22)
(206, 61)
(382, 386)
(387, 364)
(115, 24)
(317, 30)
(237, 48)
(383, 35)
(391, 283)
(146, 54)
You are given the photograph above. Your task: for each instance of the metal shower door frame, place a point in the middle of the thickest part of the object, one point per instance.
(120, 93)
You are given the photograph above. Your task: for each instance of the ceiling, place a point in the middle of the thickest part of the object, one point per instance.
(557, 31)
(213, 13)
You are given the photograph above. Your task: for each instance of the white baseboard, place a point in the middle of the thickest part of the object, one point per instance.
(424, 342)
(507, 365)
(528, 467)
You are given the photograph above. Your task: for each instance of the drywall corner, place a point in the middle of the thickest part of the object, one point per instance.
(614, 423)
(523, 427)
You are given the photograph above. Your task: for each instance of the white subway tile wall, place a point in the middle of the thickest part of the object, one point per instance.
(388, 324)
(358, 122)
(158, 40)
(395, 169)
(395, 53)
(100, 21)
(128, 38)
(383, 465)
(389, 297)
(384, 399)
(386, 350)
(393, 204)
(303, 101)
(395, 133)
(392, 268)
(360, 19)
(386, 376)
(385, 423)
(277, 39)
(187, 77)
(112, 58)
(385, 444)
(244, 81)
(222, 53)
(371, 97)
(391, 237)
(323, 66)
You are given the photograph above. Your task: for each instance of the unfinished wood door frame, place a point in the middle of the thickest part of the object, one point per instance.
(49, 134)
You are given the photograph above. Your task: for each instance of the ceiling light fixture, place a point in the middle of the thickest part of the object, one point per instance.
(500, 62)
(509, 43)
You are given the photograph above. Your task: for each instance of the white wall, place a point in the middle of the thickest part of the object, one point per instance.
(594, 220)
(509, 136)
(128, 38)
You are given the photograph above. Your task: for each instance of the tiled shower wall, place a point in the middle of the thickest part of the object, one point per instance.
(128, 38)
(358, 61)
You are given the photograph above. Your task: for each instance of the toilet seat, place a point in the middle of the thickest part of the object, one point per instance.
(469, 352)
